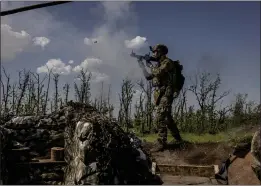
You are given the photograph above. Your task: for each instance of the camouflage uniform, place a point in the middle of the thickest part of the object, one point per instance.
(256, 152)
(163, 98)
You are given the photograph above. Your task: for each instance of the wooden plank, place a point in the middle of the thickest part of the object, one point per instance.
(43, 162)
(185, 180)
(187, 170)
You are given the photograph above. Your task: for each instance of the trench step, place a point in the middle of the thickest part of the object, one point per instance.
(187, 170)
(187, 180)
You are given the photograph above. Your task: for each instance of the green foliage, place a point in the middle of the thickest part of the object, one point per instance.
(230, 137)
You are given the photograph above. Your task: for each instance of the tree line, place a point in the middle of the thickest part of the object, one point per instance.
(30, 95)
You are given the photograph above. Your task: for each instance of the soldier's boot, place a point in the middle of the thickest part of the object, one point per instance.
(177, 142)
(176, 135)
(161, 142)
(177, 139)
(159, 146)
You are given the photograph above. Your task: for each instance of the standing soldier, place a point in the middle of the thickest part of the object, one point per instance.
(168, 81)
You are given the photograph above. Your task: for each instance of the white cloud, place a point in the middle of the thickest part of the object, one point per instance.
(13, 42)
(118, 25)
(41, 41)
(71, 62)
(99, 77)
(57, 66)
(136, 43)
(37, 22)
(91, 64)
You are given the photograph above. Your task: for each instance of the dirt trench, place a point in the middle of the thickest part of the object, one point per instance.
(193, 154)
(239, 172)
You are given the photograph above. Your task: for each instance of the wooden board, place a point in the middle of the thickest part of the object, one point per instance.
(43, 162)
(187, 170)
(187, 180)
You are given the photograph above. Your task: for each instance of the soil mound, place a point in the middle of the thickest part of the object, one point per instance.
(98, 151)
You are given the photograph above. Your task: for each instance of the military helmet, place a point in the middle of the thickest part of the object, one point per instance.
(160, 47)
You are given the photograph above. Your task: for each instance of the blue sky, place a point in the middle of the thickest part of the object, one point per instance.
(219, 37)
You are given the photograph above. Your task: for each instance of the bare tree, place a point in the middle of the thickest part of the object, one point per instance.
(126, 96)
(23, 83)
(66, 90)
(102, 103)
(101, 100)
(7, 92)
(121, 113)
(214, 99)
(148, 105)
(47, 90)
(39, 91)
(238, 109)
(140, 113)
(14, 97)
(56, 94)
(30, 97)
(222, 114)
(205, 91)
(183, 106)
(82, 93)
(110, 106)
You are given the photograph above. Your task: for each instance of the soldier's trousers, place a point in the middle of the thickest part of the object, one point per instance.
(165, 121)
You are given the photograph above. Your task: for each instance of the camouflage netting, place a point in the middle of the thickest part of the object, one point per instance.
(35, 135)
(4, 140)
(39, 133)
(98, 151)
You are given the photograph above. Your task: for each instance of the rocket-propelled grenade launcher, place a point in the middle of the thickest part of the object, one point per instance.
(140, 59)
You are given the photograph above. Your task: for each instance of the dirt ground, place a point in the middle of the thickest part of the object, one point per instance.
(193, 154)
(240, 171)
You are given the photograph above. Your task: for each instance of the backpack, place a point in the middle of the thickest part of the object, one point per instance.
(178, 77)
